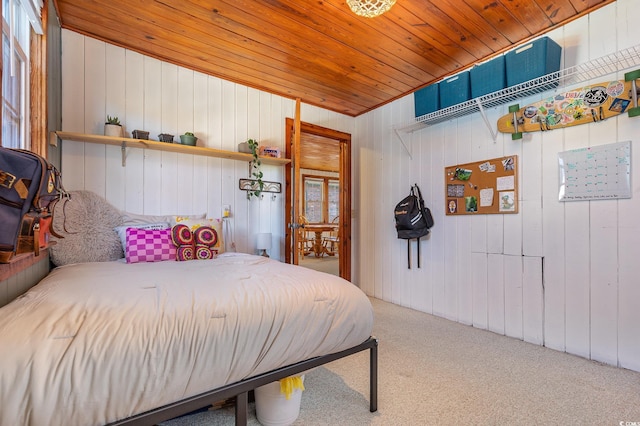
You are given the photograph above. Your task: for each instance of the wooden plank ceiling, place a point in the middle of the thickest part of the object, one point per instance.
(318, 50)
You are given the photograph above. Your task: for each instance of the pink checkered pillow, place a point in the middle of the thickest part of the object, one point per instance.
(149, 245)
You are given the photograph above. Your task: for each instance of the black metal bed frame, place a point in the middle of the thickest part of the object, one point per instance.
(240, 390)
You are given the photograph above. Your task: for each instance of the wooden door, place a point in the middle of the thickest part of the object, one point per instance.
(316, 136)
(292, 185)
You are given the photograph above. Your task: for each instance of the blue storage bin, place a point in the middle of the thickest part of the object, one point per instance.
(532, 60)
(426, 100)
(455, 90)
(488, 77)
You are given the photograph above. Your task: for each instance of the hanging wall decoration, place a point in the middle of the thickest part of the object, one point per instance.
(254, 185)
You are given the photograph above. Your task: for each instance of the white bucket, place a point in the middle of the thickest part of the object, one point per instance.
(272, 406)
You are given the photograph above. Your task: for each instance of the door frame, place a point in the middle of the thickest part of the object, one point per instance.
(344, 139)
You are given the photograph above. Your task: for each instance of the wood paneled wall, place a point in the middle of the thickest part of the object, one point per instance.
(564, 275)
(100, 79)
(21, 278)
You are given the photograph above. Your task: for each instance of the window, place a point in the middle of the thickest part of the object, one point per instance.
(313, 199)
(321, 198)
(16, 30)
(334, 200)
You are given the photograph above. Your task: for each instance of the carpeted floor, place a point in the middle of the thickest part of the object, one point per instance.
(328, 264)
(436, 372)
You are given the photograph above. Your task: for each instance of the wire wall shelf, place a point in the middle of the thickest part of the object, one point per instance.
(609, 64)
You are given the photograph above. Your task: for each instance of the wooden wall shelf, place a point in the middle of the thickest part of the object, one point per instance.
(160, 146)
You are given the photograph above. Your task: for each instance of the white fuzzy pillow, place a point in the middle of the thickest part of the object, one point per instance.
(87, 222)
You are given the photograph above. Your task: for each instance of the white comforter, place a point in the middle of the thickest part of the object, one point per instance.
(97, 342)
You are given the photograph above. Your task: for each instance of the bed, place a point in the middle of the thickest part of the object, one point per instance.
(136, 343)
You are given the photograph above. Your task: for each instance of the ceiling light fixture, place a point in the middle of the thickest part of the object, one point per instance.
(370, 8)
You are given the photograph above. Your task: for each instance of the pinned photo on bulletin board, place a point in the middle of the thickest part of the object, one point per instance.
(483, 187)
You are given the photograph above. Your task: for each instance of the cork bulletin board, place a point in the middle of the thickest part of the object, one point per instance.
(483, 187)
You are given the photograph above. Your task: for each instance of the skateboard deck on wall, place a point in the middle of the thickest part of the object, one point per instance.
(586, 104)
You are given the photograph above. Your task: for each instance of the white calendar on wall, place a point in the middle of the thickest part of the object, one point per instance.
(596, 173)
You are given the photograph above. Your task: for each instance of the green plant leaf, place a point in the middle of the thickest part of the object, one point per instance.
(255, 168)
(113, 120)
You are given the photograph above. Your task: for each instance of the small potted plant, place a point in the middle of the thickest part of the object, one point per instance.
(188, 139)
(112, 127)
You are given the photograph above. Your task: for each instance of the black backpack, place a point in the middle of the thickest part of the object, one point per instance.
(413, 220)
(29, 187)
